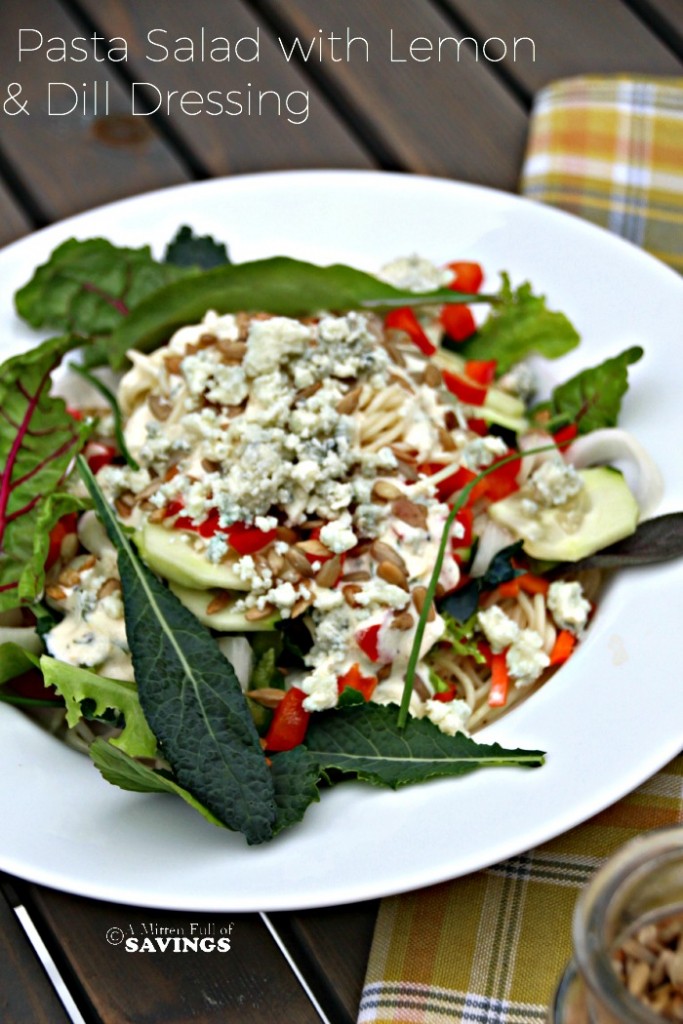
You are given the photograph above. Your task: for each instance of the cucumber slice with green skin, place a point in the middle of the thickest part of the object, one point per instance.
(171, 556)
(228, 619)
(610, 513)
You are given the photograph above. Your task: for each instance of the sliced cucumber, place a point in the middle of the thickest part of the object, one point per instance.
(610, 513)
(169, 554)
(228, 619)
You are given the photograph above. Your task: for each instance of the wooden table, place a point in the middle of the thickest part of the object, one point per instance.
(464, 119)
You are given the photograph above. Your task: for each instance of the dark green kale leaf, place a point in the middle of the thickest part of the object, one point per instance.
(187, 249)
(190, 696)
(365, 742)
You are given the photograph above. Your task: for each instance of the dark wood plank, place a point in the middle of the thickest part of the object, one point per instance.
(70, 163)
(250, 982)
(453, 119)
(665, 17)
(14, 222)
(572, 37)
(331, 947)
(224, 143)
(26, 994)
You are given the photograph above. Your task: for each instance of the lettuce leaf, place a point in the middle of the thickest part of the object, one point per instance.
(38, 443)
(14, 661)
(76, 685)
(520, 325)
(592, 398)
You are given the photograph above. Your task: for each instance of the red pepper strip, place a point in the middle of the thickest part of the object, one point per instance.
(66, 525)
(289, 722)
(465, 518)
(355, 680)
(500, 681)
(478, 426)
(465, 390)
(481, 370)
(368, 641)
(500, 483)
(468, 276)
(458, 322)
(404, 319)
(565, 642)
(565, 435)
(248, 539)
(486, 652)
(445, 696)
(528, 582)
(245, 540)
(98, 455)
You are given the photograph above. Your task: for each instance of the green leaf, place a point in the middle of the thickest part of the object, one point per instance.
(123, 771)
(592, 399)
(78, 684)
(189, 250)
(190, 695)
(38, 443)
(367, 743)
(461, 637)
(50, 511)
(295, 774)
(520, 325)
(279, 285)
(88, 287)
(265, 672)
(14, 661)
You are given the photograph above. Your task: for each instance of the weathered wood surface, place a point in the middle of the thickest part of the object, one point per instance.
(464, 118)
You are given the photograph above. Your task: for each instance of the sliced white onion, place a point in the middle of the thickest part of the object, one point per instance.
(237, 650)
(534, 439)
(23, 636)
(492, 539)
(615, 447)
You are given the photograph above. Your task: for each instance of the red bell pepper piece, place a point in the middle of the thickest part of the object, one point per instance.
(98, 455)
(481, 370)
(468, 277)
(458, 322)
(528, 582)
(63, 527)
(565, 435)
(465, 390)
(478, 426)
(289, 722)
(368, 641)
(404, 319)
(565, 642)
(500, 681)
(248, 539)
(355, 679)
(445, 696)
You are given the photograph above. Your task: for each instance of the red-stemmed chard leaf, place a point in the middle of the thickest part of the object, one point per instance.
(38, 444)
(88, 287)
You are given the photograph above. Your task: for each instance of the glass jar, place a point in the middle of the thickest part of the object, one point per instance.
(641, 883)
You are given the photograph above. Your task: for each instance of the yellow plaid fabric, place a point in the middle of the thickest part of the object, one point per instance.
(611, 150)
(490, 948)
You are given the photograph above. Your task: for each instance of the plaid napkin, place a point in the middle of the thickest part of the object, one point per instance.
(611, 150)
(490, 948)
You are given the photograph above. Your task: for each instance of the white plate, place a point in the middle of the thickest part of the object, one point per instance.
(608, 720)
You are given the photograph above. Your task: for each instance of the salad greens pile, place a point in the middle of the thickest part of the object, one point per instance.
(185, 726)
